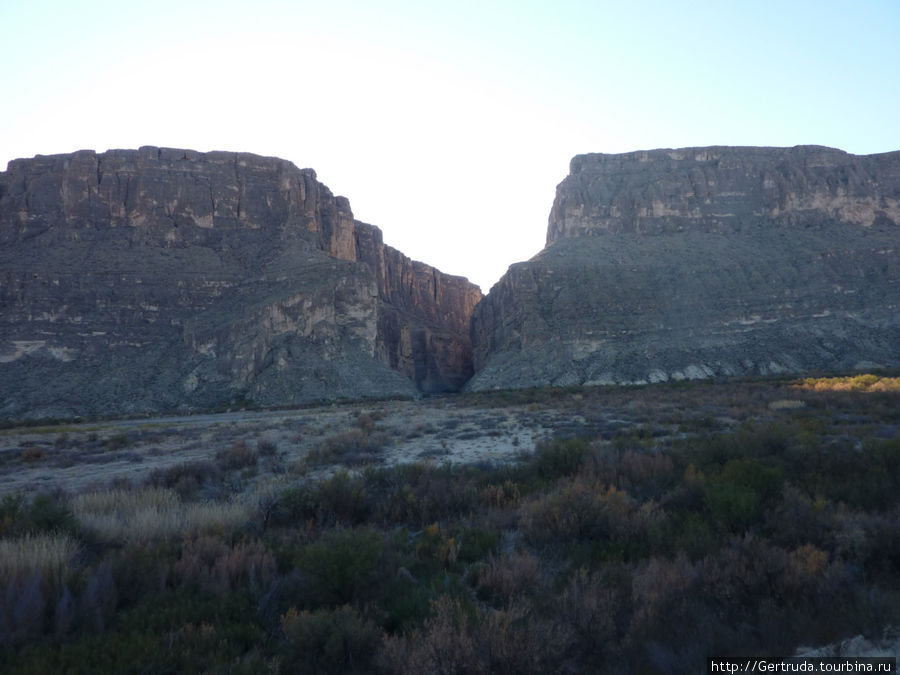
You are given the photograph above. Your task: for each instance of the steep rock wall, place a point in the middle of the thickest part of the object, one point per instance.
(159, 279)
(698, 262)
(723, 189)
(423, 319)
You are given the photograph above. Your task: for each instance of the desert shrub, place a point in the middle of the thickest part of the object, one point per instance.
(694, 534)
(733, 507)
(798, 517)
(737, 495)
(867, 479)
(177, 630)
(764, 481)
(343, 566)
(343, 499)
(238, 456)
(457, 640)
(356, 446)
(365, 422)
(33, 453)
(216, 567)
(266, 447)
(510, 576)
(10, 509)
(504, 495)
(660, 586)
(47, 513)
(117, 441)
(752, 441)
(436, 547)
(594, 608)
(143, 568)
(475, 543)
(43, 512)
(406, 602)
(337, 640)
(870, 479)
(340, 499)
(186, 478)
(580, 510)
(879, 550)
(297, 504)
(418, 495)
(570, 512)
(645, 473)
(559, 458)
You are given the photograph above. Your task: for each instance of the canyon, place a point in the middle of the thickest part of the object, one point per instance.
(156, 279)
(163, 280)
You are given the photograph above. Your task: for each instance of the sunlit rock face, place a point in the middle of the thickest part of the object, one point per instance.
(158, 279)
(702, 262)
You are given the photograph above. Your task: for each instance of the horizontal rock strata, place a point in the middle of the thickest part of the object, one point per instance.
(158, 279)
(702, 262)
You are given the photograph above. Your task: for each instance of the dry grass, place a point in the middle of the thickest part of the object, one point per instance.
(153, 513)
(48, 554)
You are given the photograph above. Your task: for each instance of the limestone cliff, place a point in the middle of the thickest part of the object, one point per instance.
(700, 262)
(157, 279)
(724, 189)
(423, 317)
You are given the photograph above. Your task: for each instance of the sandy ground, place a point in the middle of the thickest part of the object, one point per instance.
(76, 457)
(497, 427)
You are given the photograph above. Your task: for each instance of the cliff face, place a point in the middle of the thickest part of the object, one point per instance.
(724, 189)
(423, 317)
(155, 279)
(171, 198)
(690, 263)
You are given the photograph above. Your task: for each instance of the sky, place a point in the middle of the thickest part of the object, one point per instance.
(448, 124)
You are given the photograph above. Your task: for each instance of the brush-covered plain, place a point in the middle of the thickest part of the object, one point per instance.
(573, 530)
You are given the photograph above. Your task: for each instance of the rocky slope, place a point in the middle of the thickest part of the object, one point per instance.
(699, 262)
(157, 279)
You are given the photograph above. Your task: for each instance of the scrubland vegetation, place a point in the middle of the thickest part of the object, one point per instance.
(654, 527)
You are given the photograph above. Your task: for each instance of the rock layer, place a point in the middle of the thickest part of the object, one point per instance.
(158, 279)
(699, 262)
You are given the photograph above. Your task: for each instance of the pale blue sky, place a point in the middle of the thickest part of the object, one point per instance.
(448, 124)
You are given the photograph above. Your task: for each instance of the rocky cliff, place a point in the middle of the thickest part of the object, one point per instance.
(691, 263)
(423, 317)
(158, 279)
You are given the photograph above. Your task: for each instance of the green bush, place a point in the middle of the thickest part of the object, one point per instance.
(343, 566)
(418, 494)
(733, 507)
(341, 499)
(329, 641)
(559, 458)
(42, 513)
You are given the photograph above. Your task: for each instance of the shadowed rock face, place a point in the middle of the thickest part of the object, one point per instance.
(674, 264)
(423, 315)
(157, 279)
